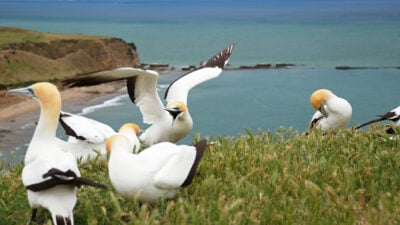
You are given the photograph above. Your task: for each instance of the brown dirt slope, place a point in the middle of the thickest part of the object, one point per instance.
(29, 56)
(58, 58)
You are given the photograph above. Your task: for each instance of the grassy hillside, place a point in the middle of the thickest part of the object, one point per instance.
(28, 56)
(11, 35)
(280, 177)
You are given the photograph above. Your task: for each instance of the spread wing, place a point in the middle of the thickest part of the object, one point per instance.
(101, 77)
(142, 90)
(141, 85)
(179, 89)
(85, 129)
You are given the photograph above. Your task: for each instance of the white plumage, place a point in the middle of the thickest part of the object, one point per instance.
(332, 113)
(86, 137)
(50, 174)
(170, 123)
(157, 172)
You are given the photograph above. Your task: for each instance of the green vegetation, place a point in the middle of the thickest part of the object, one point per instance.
(281, 177)
(16, 35)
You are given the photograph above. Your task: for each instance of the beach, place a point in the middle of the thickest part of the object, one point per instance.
(16, 113)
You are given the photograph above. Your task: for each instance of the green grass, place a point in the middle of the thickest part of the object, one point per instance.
(280, 177)
(10, 35)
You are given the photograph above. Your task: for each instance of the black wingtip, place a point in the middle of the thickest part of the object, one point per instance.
(221, 59)
(200, 149)
(369, 122)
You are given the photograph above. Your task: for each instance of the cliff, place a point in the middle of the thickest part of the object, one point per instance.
(53, 57)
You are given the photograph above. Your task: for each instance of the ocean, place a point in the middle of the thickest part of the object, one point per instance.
(316, 36)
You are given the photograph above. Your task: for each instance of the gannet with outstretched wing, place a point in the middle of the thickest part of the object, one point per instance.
(170, 123)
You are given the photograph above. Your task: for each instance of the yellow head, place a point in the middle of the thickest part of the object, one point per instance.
(176, 109)
(177, 105)
(118, 142)
(130, 127)
(109, 142)
(46, 93)
(319, 97)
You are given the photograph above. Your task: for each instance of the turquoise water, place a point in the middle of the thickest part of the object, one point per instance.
(268, 99)
(317, 33)
(314, 35)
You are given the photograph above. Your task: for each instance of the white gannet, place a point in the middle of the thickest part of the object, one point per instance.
(393, 115)
(86, 137)
(157, 172)
(332, 113)
(50, 174)
(170, 123)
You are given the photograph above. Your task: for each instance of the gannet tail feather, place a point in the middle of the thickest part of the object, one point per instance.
(200, 149)
(60, 220)
(387, 116)
(370, 122)
(59, 177)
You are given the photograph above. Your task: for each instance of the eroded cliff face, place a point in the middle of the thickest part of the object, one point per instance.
(59, 59)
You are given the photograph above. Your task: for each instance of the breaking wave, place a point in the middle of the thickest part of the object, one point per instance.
(109, 103)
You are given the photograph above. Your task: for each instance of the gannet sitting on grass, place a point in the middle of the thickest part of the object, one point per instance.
(393, 115)
(333, 113)
(170, 123)
(50, 174)
(157, 172)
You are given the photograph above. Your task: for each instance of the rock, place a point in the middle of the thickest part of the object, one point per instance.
(283, 65)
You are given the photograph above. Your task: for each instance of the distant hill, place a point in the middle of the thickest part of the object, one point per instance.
(28, 56)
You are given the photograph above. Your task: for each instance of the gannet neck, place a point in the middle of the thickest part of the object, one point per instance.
(49, 99)
(117, 144)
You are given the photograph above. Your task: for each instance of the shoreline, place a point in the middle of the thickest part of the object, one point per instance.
(16, 119)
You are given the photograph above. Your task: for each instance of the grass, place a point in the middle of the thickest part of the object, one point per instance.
(16, 35)
(280, 177)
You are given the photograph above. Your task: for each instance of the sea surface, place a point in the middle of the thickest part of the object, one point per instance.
(316, 36)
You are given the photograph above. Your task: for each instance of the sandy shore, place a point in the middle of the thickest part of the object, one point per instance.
(18, 113)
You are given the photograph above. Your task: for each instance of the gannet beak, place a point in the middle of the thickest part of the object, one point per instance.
(322, 110)
(28, 92)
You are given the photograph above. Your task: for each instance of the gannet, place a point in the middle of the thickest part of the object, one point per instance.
(86, 137)
(332, 113)
(393, 115)
(157, 172)
(170, 123)
(50, 174)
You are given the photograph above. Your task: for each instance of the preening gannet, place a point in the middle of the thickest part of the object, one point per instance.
(50, 174)
(157, 172)
(393, 115)
(170, 123)
(332, 113)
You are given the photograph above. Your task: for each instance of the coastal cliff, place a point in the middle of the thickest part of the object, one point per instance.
(36, 56)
